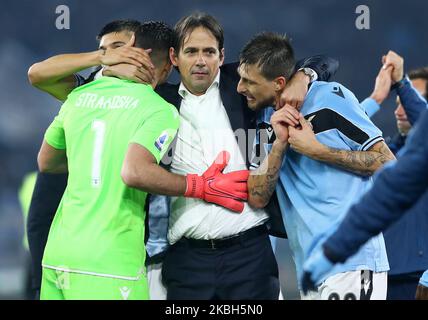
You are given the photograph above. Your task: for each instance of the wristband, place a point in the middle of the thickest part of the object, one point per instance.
(400, 84)
(194, 186)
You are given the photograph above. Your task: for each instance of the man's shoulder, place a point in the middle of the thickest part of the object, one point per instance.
(334, 88)
(331, 94)
(169, 92)
(230, 71)
(99, 81)
(162, 104)
(109, 83)
(161, 107)
(229, 78)
(156, 102)
(167, 87)
(231, 67)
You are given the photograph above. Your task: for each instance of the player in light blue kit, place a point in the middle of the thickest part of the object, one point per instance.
(398, 188)
(322, 159)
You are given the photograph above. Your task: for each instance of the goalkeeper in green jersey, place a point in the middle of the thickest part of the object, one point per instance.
(110, 135)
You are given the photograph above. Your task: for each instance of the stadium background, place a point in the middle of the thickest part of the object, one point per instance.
(29, 35)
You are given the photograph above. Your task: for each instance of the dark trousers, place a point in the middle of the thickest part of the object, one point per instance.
(403, 286)
(29, 291)
(46, 197)
(244, 270)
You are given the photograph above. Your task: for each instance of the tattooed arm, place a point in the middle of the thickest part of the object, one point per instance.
(363, 163)
(262, 181)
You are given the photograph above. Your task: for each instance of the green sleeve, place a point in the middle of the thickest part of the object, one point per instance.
(158, 131)
(55, 135)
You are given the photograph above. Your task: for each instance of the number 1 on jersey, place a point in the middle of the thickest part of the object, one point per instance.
(99, 127)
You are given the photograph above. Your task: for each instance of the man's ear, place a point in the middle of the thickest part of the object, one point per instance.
(164, 73)
(279, 83)
(173, 57)
(131, 41)
(167, 69)
(221, 56)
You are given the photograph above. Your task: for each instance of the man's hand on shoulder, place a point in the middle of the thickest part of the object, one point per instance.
(129, 72)
(126, 54)
(128, 62)
(294, 92)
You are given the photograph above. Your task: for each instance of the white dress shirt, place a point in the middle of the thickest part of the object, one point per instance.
(204, 131)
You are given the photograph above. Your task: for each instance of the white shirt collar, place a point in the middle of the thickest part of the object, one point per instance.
(184, 92)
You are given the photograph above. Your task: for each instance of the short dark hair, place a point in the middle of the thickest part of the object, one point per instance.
(271, 52)
(119, 26)
(198, 19)
(420, 73)
(159, 37)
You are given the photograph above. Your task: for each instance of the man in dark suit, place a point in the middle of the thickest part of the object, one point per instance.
(214, 253)
(228, 255)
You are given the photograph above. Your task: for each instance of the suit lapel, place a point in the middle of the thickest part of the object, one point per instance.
(170, 93)
(240, 116)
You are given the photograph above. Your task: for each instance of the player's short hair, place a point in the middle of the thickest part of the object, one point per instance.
(420, 73)
(119, 26)
(159, 37)
(271, 52)
(186, 25)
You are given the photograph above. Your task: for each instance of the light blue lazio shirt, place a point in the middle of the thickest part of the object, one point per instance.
(315, 196)
(424, 279)
(158, 225)
(371, 106)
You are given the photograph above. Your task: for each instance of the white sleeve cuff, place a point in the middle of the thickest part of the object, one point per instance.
(99, 74)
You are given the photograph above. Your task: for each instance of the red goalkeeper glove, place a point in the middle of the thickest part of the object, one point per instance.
(227, 190)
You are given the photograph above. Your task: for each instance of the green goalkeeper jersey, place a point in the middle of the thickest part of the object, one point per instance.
(99, 225)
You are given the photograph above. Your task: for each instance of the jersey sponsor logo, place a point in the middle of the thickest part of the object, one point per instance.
(62, 281)
(266, 129)
(269, 131)
(125, 291)
(366, 284)
(338, 91)
(160, 142)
